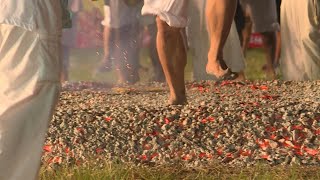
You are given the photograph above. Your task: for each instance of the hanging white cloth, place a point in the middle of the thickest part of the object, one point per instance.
(29, 78)
(174, 12)
(300, 36)
(29, 82)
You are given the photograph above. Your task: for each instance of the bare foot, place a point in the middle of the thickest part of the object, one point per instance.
(270, 73)
(214, 68)
(177, 100)
(241, 76)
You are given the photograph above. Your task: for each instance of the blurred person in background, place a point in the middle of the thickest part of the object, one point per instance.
(86, 32)
(89, 28)
(30, 69)
(149, 40)
(69, 37)
(261, 17)
(199, 44)
(121, 36)
(278, 49)
(171, 43)
(239, 19)
(300, 44)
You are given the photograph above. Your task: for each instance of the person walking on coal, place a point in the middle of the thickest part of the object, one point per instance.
(30, 68)
(198, 44)
(121, 34)
(171, 22)
(261, 17)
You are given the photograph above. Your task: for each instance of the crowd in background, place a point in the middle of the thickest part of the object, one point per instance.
(121, 32)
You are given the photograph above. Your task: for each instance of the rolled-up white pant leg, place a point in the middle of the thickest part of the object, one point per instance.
(173, 12)
(29, 78)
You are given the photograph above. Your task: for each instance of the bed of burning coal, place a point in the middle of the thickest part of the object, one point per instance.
(275, 122)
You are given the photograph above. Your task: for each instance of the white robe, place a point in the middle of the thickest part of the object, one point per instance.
(29, 82)
(173, 12)
(300, 36)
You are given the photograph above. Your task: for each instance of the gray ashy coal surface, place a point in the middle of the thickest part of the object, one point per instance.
(233, 123)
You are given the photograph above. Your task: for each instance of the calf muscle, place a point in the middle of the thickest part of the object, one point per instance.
(173, 58)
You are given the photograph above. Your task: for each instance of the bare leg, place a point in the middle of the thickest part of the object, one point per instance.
(173, 59)
(119, 67)
(131, 52)
(66, 62)
(246, 33)
(105, 64)
(106, 48)
(106, 36)
(278, 50)
(270, 43)
(220, 14)
(159, 76)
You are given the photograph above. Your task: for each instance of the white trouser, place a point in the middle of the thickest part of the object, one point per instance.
(29, 78)
(174, 12)
(300, 38)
